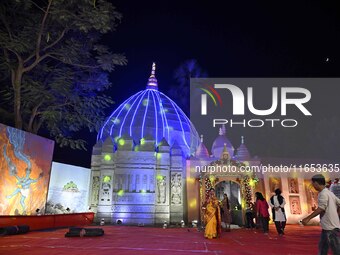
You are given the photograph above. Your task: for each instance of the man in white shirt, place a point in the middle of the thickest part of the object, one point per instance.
(328, 204)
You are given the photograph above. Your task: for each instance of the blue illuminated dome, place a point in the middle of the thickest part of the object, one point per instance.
(151, 113)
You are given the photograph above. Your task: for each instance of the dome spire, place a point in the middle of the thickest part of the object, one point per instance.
(202, 151)
(152, 82)
(224, 129)
(242, 152)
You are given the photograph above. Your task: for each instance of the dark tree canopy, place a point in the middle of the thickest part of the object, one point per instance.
(180, 91)
(53, 69)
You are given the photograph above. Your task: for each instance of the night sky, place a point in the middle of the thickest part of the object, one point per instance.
(228, 39)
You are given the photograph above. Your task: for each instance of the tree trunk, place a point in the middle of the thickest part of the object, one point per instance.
(33, 123)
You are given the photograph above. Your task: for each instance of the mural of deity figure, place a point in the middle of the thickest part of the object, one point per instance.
(161, 186)
(95, 190)
(176, 189)
(24, 182)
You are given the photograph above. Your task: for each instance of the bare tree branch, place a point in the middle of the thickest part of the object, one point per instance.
(56, 41)
(35, 63)
(16, 54)
(37, 50)
(41, 9)
(48, 46)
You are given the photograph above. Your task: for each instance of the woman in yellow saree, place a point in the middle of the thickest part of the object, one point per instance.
(212, 216)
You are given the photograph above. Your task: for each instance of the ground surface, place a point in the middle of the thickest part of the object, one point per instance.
(146, 240)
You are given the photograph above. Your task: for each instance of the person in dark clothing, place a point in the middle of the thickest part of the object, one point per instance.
(262, 212)
(250, 215)
(277, 203)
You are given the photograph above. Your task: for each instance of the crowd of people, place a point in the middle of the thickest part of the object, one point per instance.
(217, 215)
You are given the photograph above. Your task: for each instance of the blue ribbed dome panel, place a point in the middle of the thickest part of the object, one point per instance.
(150, 113)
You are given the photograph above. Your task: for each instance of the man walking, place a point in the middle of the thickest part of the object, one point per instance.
(330, 223)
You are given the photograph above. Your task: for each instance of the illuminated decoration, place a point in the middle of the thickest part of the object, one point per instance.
(246, 188)
(212, 178)
(120, 193)
(193, 203)
(121, 142)
(151, 113)
(253, 181)
(208, 185)
(107, 157)
(106, 178)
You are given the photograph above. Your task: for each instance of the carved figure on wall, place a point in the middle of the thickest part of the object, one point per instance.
(95, 190)
(161, 185)
(176, 189)
(295, 207)
(293, 185)
(106, 186)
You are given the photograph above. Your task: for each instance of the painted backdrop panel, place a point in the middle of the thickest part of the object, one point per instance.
(25, 164)
(69, 188)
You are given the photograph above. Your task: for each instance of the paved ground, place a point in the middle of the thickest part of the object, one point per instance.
(146, 240)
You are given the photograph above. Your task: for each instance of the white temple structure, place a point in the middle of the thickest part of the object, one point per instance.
(143, 167)
(138, 164)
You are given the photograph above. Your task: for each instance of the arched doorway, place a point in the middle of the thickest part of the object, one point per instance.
(233, 190)
(233, 185)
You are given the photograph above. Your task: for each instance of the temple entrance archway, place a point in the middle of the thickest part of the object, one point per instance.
(230, 184)
(233, 190)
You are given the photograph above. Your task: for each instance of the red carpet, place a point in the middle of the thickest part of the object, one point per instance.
(146, 240)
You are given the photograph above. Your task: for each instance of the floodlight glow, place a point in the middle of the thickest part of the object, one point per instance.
(107, 157)
(106, 178)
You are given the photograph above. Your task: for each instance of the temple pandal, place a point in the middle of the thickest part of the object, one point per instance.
(150, 166)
